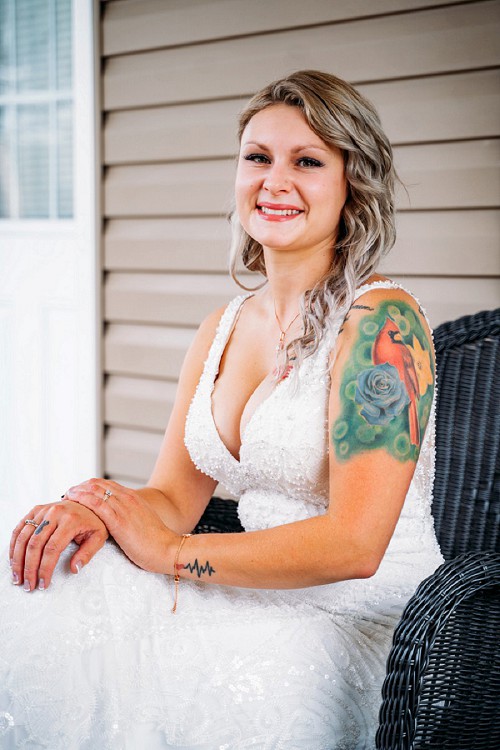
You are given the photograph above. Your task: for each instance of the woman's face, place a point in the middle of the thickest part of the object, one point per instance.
(290, 186)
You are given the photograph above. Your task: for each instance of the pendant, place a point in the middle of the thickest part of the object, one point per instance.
(282, 370)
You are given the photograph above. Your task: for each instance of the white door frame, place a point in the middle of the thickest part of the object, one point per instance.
(50, 414)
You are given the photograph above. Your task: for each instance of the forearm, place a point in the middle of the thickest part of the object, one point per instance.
(305, 553)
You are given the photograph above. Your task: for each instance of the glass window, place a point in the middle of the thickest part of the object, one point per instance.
(36, 109)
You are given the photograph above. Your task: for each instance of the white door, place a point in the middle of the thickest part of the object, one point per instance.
(48, 281)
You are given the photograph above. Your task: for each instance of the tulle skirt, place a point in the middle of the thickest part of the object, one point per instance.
(98, 661)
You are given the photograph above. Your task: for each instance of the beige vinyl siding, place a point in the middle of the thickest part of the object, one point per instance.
(174, 77)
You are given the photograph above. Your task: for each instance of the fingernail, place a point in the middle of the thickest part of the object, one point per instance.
(15, 578)
(27, 586)
(78, 566)
(41, 584)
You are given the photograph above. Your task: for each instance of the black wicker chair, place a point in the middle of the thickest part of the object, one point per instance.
(442, 688)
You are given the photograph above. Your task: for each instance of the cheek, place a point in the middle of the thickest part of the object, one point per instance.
(245, 188)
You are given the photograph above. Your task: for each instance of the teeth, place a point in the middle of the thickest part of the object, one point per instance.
(279, 212)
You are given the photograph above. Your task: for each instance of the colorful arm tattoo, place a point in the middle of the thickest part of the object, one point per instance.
(387, 385)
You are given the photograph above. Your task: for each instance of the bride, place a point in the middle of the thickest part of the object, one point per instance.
(312, 400)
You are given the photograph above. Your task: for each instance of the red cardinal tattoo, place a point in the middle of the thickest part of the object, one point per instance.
(390, 348)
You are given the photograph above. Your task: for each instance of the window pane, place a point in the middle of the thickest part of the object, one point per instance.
(33, 151)
(36, 128)
(6, 176)
(32, 40)
(7, 70)
(65, 160)
(63, 42)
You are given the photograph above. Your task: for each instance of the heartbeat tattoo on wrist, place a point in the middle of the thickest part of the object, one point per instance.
(200, 569)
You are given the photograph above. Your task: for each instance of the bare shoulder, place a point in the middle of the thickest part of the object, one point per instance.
(383, 376)
(394, 302)
(208, 327)
(200, 346)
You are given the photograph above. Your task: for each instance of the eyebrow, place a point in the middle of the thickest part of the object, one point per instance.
(294, 150)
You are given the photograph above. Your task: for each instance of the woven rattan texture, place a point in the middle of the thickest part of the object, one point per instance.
(467, 485)
(220, 516)
(442, 688)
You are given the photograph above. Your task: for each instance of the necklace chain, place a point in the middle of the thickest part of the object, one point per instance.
(283, 332)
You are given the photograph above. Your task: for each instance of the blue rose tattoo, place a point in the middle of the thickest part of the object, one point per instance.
(381, 393)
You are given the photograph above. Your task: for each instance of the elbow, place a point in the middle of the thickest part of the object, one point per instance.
(366, 567)
(360, 566)
(365, 562)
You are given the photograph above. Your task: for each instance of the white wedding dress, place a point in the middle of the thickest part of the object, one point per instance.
(98, 661)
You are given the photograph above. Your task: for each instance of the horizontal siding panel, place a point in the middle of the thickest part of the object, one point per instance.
(449, 298)
(147, 351)
(185, 131)
(446, 243)
(412, 44)
(170, 189)
(462, 174)
(131, 453)
(429, 243)
(134, 25)
(452, 107)
(136, 402)
(445, 175)
(174, 299)
(194, 244)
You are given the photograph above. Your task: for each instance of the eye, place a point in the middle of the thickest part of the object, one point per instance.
(307, 161)
(257, 158)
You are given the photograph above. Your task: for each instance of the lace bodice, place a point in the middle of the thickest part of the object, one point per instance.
(282, 474)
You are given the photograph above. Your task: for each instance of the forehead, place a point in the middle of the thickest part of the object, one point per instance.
(280, 122)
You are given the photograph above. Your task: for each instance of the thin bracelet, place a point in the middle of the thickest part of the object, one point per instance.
(176, 572)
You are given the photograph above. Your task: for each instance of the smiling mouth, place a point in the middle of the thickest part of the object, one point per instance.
(279, 211)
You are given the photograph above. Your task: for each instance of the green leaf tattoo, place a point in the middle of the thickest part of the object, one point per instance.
(387, 386)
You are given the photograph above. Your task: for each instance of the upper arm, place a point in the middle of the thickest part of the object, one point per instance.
(174, 472)
(380, 402)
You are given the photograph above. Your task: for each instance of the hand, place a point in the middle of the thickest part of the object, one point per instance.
(34, 555)
(137, 529)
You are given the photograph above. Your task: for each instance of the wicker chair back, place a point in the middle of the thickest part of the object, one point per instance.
(466, 505)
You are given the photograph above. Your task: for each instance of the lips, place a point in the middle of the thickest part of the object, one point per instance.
(278, 211)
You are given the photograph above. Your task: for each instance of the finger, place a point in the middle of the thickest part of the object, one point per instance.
(105, 509)
(20, 526)
(19, 553)
(50, 553)
(88, 548)
(38, 541)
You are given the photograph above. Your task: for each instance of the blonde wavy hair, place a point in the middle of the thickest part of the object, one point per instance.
(341, 117)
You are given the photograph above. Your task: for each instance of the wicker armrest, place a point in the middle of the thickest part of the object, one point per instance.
(220, 517)
(441, 689)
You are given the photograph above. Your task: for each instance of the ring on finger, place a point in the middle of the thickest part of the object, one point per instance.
(31, 522)
(107, 494)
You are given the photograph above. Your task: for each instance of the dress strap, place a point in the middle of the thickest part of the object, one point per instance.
(222, 334)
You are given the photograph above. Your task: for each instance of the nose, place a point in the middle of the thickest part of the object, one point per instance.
(277, 179)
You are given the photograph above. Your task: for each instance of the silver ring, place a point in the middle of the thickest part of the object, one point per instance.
(107, 493)
(32, 523)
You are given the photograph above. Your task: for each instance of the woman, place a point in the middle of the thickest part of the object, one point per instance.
(311, 400)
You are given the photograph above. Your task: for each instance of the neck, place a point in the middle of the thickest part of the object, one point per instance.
(289, 276)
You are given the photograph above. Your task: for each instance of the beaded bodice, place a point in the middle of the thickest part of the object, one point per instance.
(282, 474)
